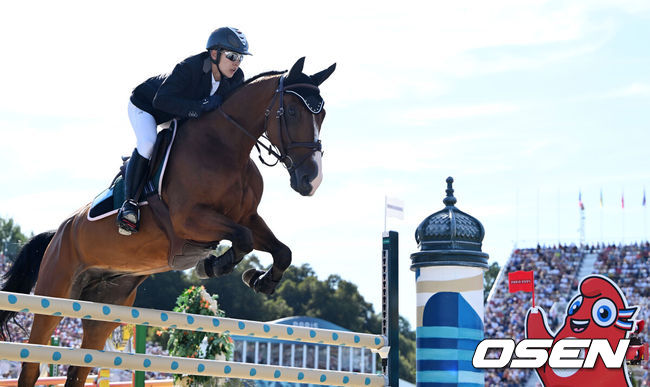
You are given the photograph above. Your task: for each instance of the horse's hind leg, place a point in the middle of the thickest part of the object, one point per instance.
(104, 288)
(264, 240)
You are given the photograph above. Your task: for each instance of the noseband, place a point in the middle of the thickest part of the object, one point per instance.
(283, 155)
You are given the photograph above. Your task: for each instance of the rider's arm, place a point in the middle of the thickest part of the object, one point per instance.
(169, 97)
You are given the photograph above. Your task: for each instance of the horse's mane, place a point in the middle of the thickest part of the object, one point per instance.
(264, 74)
(254, 78)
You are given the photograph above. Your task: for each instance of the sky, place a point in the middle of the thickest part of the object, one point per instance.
(526, 104)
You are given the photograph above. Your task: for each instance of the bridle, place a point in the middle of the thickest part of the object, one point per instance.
(281, 154)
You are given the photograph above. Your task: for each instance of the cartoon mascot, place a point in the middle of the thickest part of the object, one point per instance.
(599, 311)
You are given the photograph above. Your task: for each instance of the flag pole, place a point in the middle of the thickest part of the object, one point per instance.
(533, 289)
(601, 216)
(645, 224)
(623, 217)
(537, 215)
(385, 205)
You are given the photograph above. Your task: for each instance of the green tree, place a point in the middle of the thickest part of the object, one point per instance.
(488, 279)
(11, 238)
(406, 351)
(161, 290)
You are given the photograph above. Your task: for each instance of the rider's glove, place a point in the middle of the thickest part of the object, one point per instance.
(211, 103)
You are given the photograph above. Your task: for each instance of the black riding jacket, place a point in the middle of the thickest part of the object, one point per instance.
(179, 94)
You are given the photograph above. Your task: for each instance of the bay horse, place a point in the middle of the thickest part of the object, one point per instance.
(212, 189)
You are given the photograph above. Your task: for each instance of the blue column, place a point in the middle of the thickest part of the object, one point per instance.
(449, 325)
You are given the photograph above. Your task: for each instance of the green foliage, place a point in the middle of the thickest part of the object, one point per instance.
(488, 279)
(161, 290)
(11, 238)
(406, 351)
(198, 344)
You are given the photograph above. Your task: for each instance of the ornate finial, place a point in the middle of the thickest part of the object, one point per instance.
(450, 200)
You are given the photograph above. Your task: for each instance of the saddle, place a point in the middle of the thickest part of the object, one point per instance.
(183, 254)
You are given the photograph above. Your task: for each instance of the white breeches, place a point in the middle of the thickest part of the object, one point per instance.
(145, 128)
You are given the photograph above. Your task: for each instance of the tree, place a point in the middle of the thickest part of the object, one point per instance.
(488, 279)
(11, 238)
(406, 351)
(161, 290)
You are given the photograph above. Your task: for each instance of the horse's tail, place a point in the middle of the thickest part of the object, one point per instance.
(22, 275)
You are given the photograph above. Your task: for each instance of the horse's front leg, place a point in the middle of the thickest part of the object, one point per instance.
(264, 240)
(210, 225)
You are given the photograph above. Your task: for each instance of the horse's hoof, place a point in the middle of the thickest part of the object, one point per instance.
(260, 281)
(250, 276)
(123, 231)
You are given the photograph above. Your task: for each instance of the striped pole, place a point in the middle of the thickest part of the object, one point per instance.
(52, 306)
(449, 324)
(449, 285)
(105, 359)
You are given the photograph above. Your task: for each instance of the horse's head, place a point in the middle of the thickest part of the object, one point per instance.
(296, 131)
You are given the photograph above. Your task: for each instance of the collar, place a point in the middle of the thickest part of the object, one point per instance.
(207, 64)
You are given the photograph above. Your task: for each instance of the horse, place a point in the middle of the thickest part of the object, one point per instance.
(211, 191)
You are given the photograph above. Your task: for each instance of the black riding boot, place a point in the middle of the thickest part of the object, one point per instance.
(128, 218)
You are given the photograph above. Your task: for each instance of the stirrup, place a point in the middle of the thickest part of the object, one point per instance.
(128, 218)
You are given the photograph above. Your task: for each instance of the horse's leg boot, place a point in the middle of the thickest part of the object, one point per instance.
(260, 281)
(213, 267)
(128, 218)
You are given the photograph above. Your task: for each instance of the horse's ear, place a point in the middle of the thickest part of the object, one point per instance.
(296, 69)
(320, 77)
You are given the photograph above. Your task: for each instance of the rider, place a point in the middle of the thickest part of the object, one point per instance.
(198, 84)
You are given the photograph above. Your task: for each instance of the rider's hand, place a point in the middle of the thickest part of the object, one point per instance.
(211, 103)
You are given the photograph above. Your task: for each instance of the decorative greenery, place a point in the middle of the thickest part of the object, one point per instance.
(199, 345)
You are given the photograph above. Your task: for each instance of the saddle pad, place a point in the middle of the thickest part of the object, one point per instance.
(110, 200)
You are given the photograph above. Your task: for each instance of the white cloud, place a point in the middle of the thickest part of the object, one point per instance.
(632, 90)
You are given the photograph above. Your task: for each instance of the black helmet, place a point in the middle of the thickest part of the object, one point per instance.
(228, 38)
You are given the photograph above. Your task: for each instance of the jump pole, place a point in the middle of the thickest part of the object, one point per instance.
(105, 359)
(53, 306)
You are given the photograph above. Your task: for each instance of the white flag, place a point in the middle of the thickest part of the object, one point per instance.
(394, 208)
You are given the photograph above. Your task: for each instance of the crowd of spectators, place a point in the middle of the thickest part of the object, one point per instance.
(629, 267)
(556, 280)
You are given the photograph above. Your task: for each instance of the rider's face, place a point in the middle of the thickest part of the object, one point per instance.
(227, 66)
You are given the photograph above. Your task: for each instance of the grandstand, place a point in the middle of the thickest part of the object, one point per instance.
(558, 271)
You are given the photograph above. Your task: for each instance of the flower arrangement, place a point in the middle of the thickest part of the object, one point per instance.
(200, 345)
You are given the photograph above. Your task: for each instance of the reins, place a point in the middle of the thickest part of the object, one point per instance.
(283, 156)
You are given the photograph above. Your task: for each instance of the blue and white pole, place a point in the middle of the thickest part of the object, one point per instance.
(449, 283)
